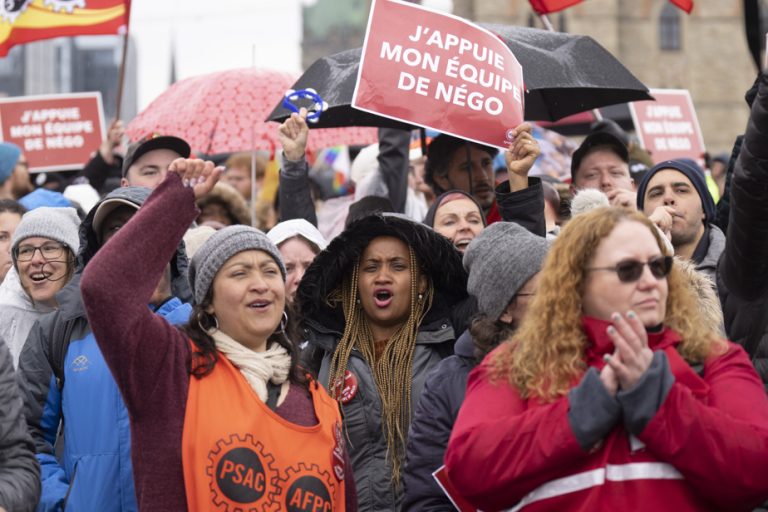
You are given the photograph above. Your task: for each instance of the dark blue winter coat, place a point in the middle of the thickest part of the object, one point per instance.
(433, 420)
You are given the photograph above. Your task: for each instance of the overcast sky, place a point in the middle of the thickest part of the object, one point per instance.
(212, 35)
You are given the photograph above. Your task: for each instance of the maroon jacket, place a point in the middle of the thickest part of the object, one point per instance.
(149, 358)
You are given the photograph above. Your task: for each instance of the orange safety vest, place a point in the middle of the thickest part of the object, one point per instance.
(238, 454)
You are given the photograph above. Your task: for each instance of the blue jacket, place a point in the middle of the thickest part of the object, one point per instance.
(94, 471)
(69, 392)
(431, 427)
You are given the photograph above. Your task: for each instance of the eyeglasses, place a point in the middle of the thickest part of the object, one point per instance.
(630, 271)
(49, 251)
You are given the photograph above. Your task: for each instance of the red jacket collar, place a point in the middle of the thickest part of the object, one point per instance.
(493, 214)
(600, 343)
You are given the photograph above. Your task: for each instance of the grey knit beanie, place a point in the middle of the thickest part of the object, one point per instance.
(500, 260)
(59, 224)
(221, 246)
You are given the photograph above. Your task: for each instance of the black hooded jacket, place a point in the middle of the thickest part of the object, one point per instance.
(743, 269)
(324, 324)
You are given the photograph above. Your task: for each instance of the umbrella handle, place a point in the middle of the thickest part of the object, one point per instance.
(318, 105)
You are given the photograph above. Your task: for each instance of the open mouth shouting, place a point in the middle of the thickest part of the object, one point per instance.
(462, 243)
(382, 297)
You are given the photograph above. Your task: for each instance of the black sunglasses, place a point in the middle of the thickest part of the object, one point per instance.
(630, 271)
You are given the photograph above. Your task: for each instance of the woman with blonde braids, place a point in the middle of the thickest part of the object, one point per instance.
(375, 306)
(615, 393)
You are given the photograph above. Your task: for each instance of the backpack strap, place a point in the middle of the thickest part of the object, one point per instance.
(60, 334)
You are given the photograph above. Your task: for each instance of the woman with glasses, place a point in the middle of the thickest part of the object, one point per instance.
(43, 252)
(614, 392)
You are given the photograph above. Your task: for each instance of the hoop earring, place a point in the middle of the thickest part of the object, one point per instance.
(214, 327)
(283, 323)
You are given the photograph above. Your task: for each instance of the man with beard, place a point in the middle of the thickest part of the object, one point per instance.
(458, 164)
(680, 188)
(14, 172)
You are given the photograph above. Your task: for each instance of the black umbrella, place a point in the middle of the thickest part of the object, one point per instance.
(564, 74)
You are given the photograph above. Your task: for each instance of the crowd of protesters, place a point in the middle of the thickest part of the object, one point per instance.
(181, 338)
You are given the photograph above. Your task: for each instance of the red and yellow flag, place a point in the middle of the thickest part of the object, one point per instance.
(23, 21)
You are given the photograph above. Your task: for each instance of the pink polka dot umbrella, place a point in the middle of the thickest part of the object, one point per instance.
(226, 111)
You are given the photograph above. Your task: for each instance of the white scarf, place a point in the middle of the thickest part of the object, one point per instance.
(257, 367)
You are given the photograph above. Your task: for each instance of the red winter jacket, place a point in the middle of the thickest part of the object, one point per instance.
(706, 448)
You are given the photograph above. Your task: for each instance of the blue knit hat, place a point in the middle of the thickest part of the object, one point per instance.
(693, 172)
(9, 155)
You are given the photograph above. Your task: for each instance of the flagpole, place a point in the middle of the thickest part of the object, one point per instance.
(547, 24)
(123, 59)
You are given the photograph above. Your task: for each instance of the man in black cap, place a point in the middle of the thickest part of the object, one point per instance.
(146, 161)
(602, 163)
(680, 187)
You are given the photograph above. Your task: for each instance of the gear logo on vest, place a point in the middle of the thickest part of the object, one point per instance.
(242, 474)
(306, 489)
(79, 364)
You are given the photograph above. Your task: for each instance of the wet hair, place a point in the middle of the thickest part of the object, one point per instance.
(547, 352)
(440, 153)
(205, 357)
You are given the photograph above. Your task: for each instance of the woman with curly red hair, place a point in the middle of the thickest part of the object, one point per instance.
(615, 393)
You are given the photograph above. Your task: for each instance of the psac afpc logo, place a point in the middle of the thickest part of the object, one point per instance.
(243, 477)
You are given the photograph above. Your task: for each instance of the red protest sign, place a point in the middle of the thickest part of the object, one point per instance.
(668, 127)
(439, 71)
(458, 501)
(57, 132)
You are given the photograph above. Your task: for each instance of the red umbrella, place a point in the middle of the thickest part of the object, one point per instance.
(226, 111)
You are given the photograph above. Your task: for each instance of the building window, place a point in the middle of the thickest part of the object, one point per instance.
(669, 28)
